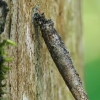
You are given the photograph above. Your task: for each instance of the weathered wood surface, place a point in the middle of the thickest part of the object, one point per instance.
(34, 75)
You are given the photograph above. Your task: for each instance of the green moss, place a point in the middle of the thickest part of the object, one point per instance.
(4, 69)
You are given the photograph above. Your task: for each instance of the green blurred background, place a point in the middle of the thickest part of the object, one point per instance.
(91, 30)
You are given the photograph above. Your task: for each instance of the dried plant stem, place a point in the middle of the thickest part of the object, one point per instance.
(60, 56)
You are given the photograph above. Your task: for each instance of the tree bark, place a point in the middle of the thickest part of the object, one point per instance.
(33, 74)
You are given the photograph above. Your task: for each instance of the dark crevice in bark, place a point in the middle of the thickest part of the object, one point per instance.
(9, 35)
(3, 14)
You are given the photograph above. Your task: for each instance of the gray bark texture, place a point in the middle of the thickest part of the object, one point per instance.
(33, 74)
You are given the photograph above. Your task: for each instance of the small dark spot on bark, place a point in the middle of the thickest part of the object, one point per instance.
(60, 13)
(51, 71)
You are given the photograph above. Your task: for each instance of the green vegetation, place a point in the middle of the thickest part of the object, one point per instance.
(92, 76)
(91, 21)
(3, 68)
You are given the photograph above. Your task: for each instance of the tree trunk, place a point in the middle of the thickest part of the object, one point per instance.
(33, 74)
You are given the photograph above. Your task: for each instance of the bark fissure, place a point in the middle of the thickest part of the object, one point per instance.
(9, 28)
(3, 14)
